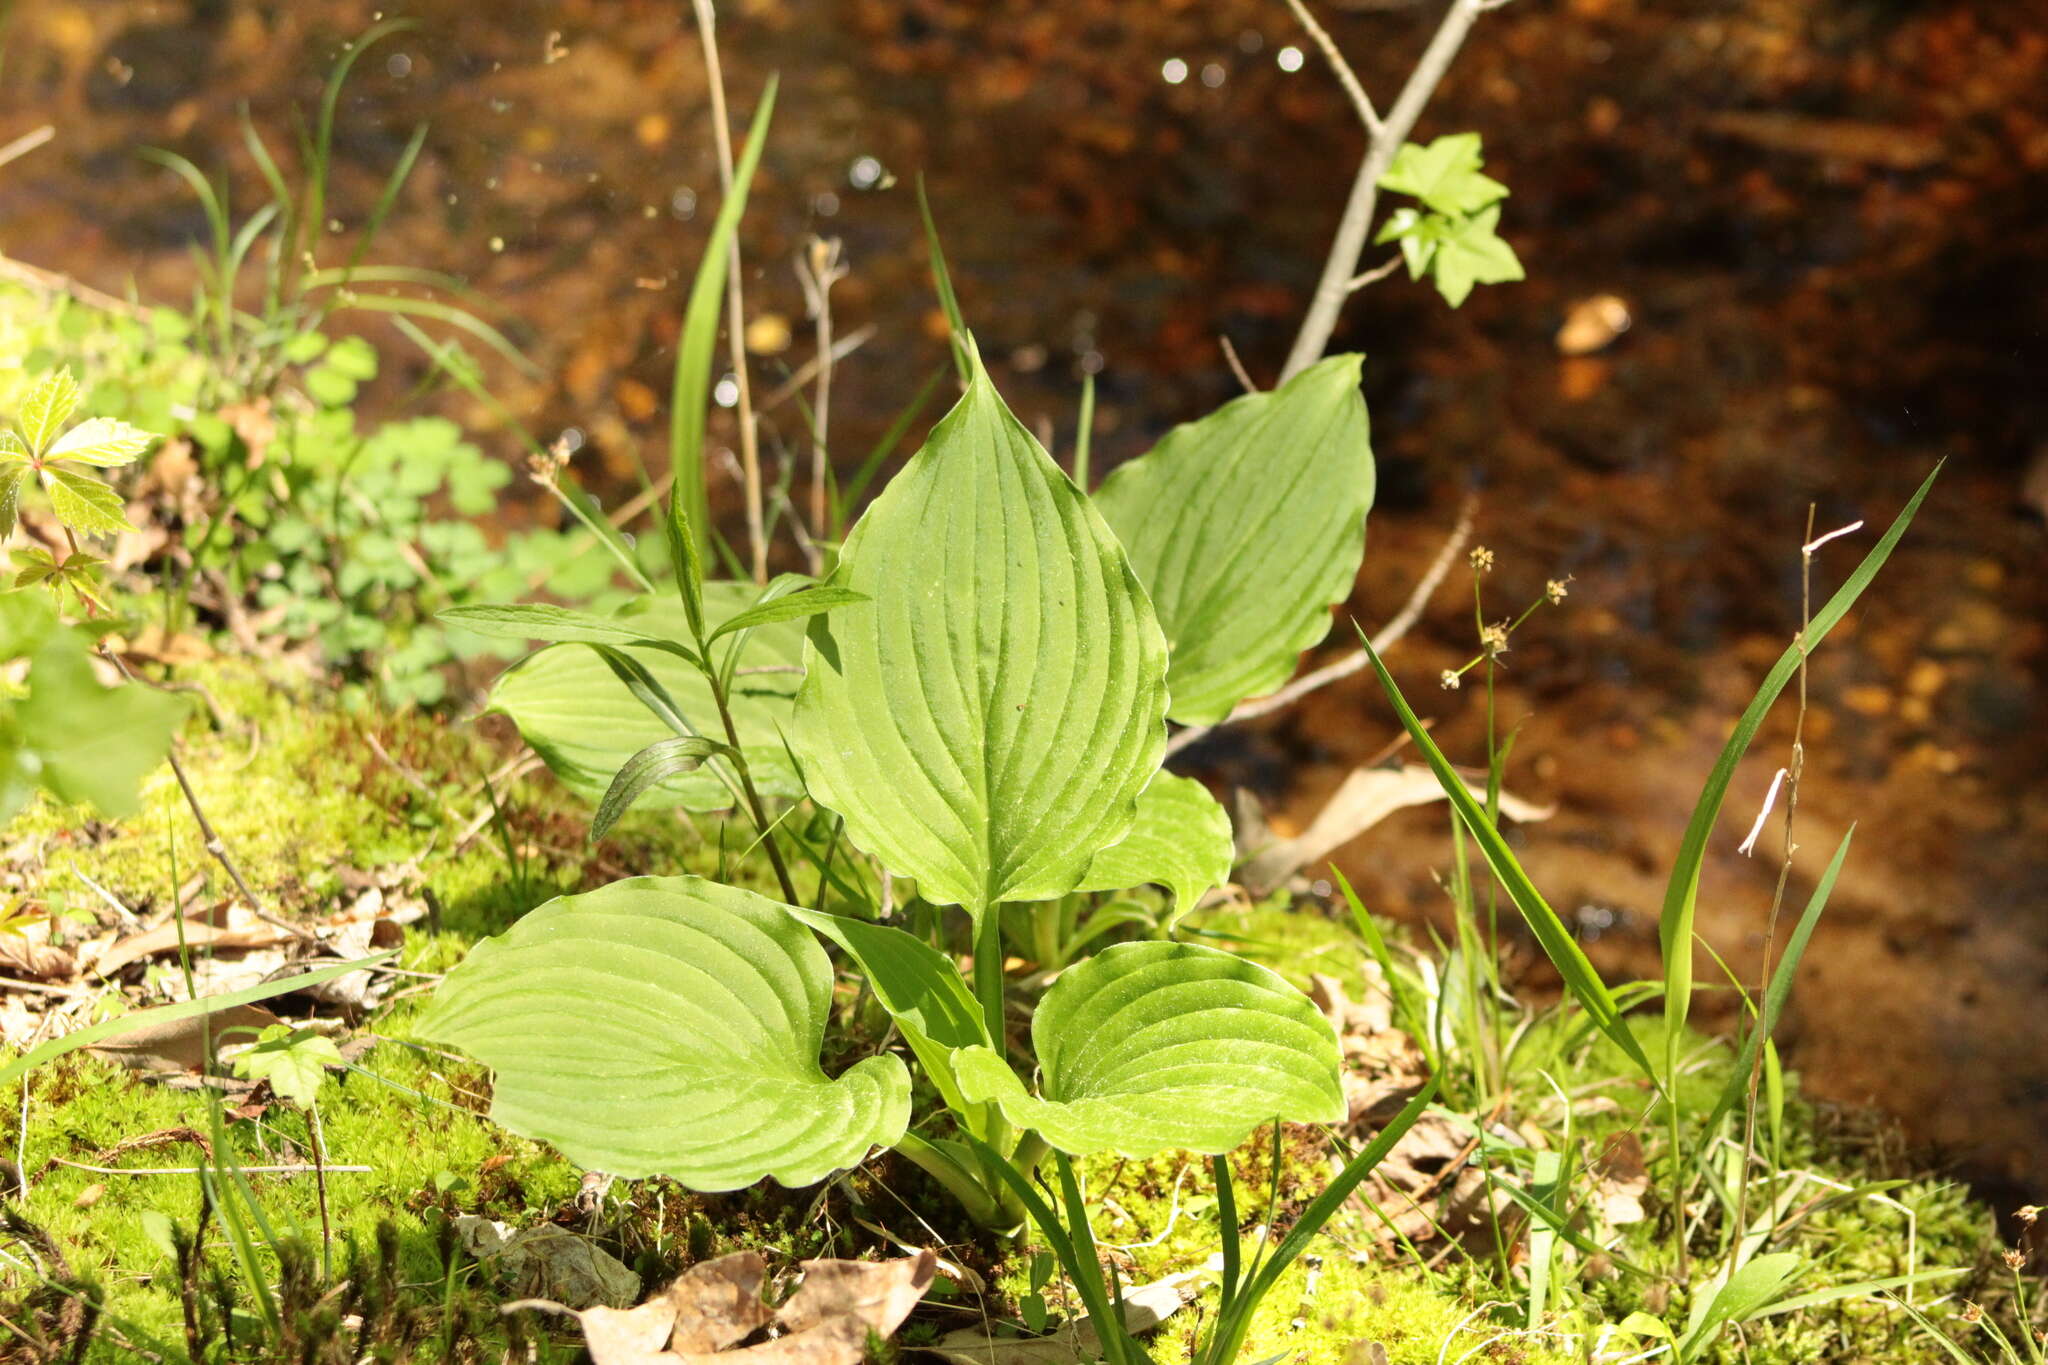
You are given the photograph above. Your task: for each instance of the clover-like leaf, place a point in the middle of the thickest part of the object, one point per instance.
(1181, 841)
(85, 504)
(669, 1026)
(1151, 1046)
(47, 408)
(1444, 175)
(986, 722)
(1245, 527)
(293, 1060)
(585, 723)
(100, 441)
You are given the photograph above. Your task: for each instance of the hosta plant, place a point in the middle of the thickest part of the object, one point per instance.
(975, 702)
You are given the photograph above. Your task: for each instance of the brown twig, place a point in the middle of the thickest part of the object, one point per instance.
(818, 269)
(27, 143)
(1384, 639)
(735, 309)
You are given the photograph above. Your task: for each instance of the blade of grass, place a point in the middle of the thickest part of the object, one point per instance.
(1564, 952)
(942, 280)
(690, 395)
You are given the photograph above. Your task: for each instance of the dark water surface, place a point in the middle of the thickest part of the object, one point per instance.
(1826, 221)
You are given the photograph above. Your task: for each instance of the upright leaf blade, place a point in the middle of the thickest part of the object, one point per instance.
(47, 408)
(1580, 977)
(669, 1026)
(1151, 1046)
(1681, 894)
(691, 392)
(1245, 527)
(585, 723)
(986, 722)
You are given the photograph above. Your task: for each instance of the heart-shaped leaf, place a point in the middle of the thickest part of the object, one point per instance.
(669, 1026)
(585, 723)
(1180, 840)
(986, 722)
(1245, 527)
(1151, 1046)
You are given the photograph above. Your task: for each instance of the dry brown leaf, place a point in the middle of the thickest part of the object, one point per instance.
(30, 954)
(236, 929)
(1593, 325)
(713, 1305)
(1366, 797)
(1624, 1180)
(183, 1044)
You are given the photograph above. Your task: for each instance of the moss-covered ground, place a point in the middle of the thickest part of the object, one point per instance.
(304, 795)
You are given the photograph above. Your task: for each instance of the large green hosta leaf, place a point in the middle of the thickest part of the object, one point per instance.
(582, 721)
(668, 1026)
(1151, 1046)
(986, 722)
(1245, 527)
(1180, 840)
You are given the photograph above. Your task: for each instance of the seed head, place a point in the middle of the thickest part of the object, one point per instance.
(546, 469)
(1972, 1313)
(2015, 1259)
(1494, 640)
(2027, 1213)
(1555, 590)
(1481, 559)
(1449, 679)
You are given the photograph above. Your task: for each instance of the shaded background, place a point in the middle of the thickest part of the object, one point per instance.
(1826, 220)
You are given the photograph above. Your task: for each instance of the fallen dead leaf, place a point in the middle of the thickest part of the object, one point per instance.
(1624, 1180)
(183, 1044)
(717, 1304)
(1366, 797)
(1593, 324)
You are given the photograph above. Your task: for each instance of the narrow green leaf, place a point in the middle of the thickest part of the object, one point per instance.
(690, 394)
(184, 1009)
(1245, 527)
(1681, 894)
(101, 441)
(47, 408)
(1151, 1046)
(1779, 990)
(648, 769)
(85, 504)
(942, 280)
(1180, 840)
(986, 722)
(795, 607)
(11, 480)
(669, 1026)
(586, 723)
(1564, 952)
(1747, 1292)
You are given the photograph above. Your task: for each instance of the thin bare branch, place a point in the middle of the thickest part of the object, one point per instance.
(1348, 245)
(1384, 639)
(1236, 364)
(1378, 272)
(1346, 77)
(27, 143)
(735, 308)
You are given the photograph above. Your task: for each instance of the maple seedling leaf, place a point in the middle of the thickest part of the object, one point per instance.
(1444, 175)
(1472, 252)
(293, 1060)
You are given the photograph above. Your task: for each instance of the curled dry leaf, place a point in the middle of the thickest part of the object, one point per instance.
(1367, 796)
(716, 1304)
(1624, 1180)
